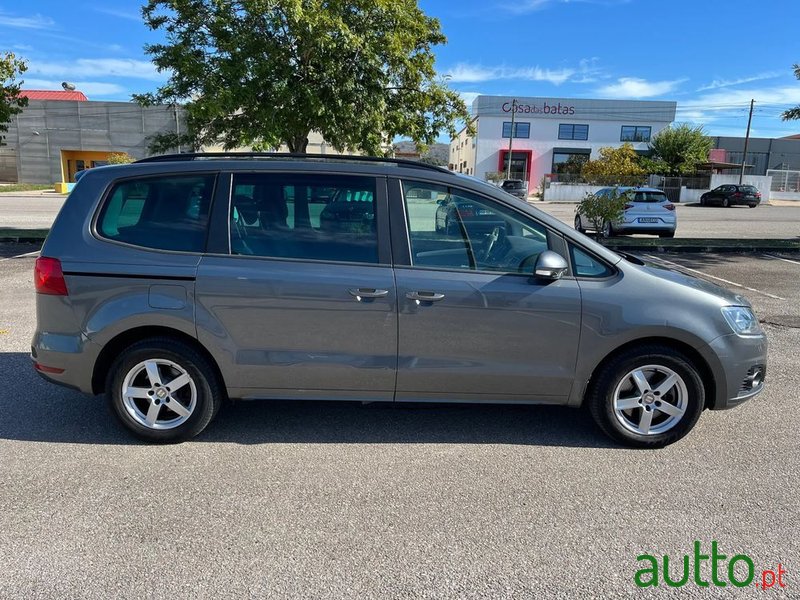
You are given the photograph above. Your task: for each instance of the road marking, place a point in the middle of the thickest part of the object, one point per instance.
(794, 262)
(20, 255)
(680, 267)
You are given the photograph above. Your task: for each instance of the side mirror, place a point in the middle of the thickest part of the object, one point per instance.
(550, 266)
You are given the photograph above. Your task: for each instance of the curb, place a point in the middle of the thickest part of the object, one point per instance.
(721, 245)
(23, 236)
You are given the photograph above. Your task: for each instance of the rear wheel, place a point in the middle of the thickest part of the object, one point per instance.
(647, 397)
(607, 231)
(751, 205)
(578, 225)
(163, 390)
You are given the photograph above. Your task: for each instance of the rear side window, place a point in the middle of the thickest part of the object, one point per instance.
(748, 189)
(312, 217)
(162, 212)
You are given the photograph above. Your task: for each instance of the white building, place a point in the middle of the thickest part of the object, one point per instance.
(552, 135)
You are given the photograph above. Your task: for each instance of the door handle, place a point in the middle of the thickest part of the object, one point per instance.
(367, 293)
(424, 296)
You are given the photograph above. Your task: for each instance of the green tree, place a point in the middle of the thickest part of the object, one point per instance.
(119, 158)
(10, 101)
(603, 210)
(261, 73)
(793, 113)
(614, 166)
(680, 148)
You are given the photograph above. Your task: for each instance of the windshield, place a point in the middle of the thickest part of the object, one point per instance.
(649, 197)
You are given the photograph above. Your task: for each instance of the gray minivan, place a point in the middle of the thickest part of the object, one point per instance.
(180, 281)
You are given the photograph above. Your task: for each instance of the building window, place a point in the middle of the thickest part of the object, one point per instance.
(631, 133)
(521, 130)
(569, 161)
(568, 131)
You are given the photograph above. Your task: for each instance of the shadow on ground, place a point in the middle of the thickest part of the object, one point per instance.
(32, 409)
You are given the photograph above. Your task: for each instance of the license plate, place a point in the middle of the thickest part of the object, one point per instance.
(648, 220)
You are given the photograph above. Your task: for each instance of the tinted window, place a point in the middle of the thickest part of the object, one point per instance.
(305, 217)
(748, 189)
(521, 130)
(165, 212)
(573, 132)
(649, 197)
(455, 229)
(585, 265)
(632, 133)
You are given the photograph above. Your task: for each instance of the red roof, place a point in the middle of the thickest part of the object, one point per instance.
(53, 95)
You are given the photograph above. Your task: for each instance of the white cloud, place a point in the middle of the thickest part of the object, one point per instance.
(36, 21)
(97, 67)
(527, 6)
(471, 73)
(634, 87)
(722, 83)
(469, 97)
(93, 89)
(121, 14)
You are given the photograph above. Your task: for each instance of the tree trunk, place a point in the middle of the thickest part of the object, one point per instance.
(298, 143)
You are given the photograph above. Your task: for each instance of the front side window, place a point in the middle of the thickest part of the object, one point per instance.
(451, 228)
(312, 217)
(521, 130)
(631, 133)
(586, 265)
(163, 212)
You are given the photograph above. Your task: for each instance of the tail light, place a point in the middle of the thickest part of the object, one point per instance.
(669, 206)
(628, 206)
(48, 277)
(758, 195)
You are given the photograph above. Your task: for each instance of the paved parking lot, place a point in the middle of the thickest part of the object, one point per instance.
(335, 500)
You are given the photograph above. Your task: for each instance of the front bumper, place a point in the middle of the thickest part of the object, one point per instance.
(743, 362)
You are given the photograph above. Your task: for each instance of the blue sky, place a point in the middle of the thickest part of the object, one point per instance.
(711, 56)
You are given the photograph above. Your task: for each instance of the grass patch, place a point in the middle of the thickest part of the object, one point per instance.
(24, 187)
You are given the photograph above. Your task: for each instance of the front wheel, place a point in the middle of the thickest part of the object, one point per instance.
(725, 203)
(163, 390)
(647, 397)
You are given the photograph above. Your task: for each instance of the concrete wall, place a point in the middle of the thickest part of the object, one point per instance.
(45, 128)
(562, 192)
(790, 196)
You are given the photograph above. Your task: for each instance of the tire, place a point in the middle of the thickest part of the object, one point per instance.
(578, 225)
(752, 205)
(149, 414)
(686, 397)
(607, 231)
(668, 234)
(726, 203)
(703, 202)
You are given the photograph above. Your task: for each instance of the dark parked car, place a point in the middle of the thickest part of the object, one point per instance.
(178, 282)
(730, 195)
(515, 187)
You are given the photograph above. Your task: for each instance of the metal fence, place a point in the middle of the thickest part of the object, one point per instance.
(784, 181)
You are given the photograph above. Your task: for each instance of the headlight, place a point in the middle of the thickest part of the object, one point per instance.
(742, 320)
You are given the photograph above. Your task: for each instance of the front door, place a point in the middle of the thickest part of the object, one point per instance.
(474, 324)
(304, 303)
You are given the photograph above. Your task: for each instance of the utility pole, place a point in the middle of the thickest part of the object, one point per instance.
(746, 142)
(177, 126)
(511, 137)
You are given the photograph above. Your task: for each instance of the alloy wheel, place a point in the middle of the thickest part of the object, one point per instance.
(159, 394)
(650, 400)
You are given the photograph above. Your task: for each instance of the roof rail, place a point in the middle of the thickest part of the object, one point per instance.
(189, 156)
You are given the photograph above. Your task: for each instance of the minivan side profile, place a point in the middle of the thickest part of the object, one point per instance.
(178, 282)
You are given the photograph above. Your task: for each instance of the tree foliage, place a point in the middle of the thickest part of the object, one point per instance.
(793, 113)
(119, 158)
(680, 148)
(265, 72)
(601, 210)
(614, 166)
(10, 101)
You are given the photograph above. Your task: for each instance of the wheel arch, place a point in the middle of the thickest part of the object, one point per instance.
(700, 362)
(127, 338)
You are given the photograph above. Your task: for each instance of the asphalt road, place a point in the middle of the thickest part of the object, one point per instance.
(38, 210)
(334, 500)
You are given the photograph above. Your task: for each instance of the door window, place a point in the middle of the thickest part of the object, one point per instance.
(455, 229)
(304, 217)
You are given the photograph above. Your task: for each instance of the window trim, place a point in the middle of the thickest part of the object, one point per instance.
(574, 125)
(106, 197)
(636, 129)
(515, 130)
